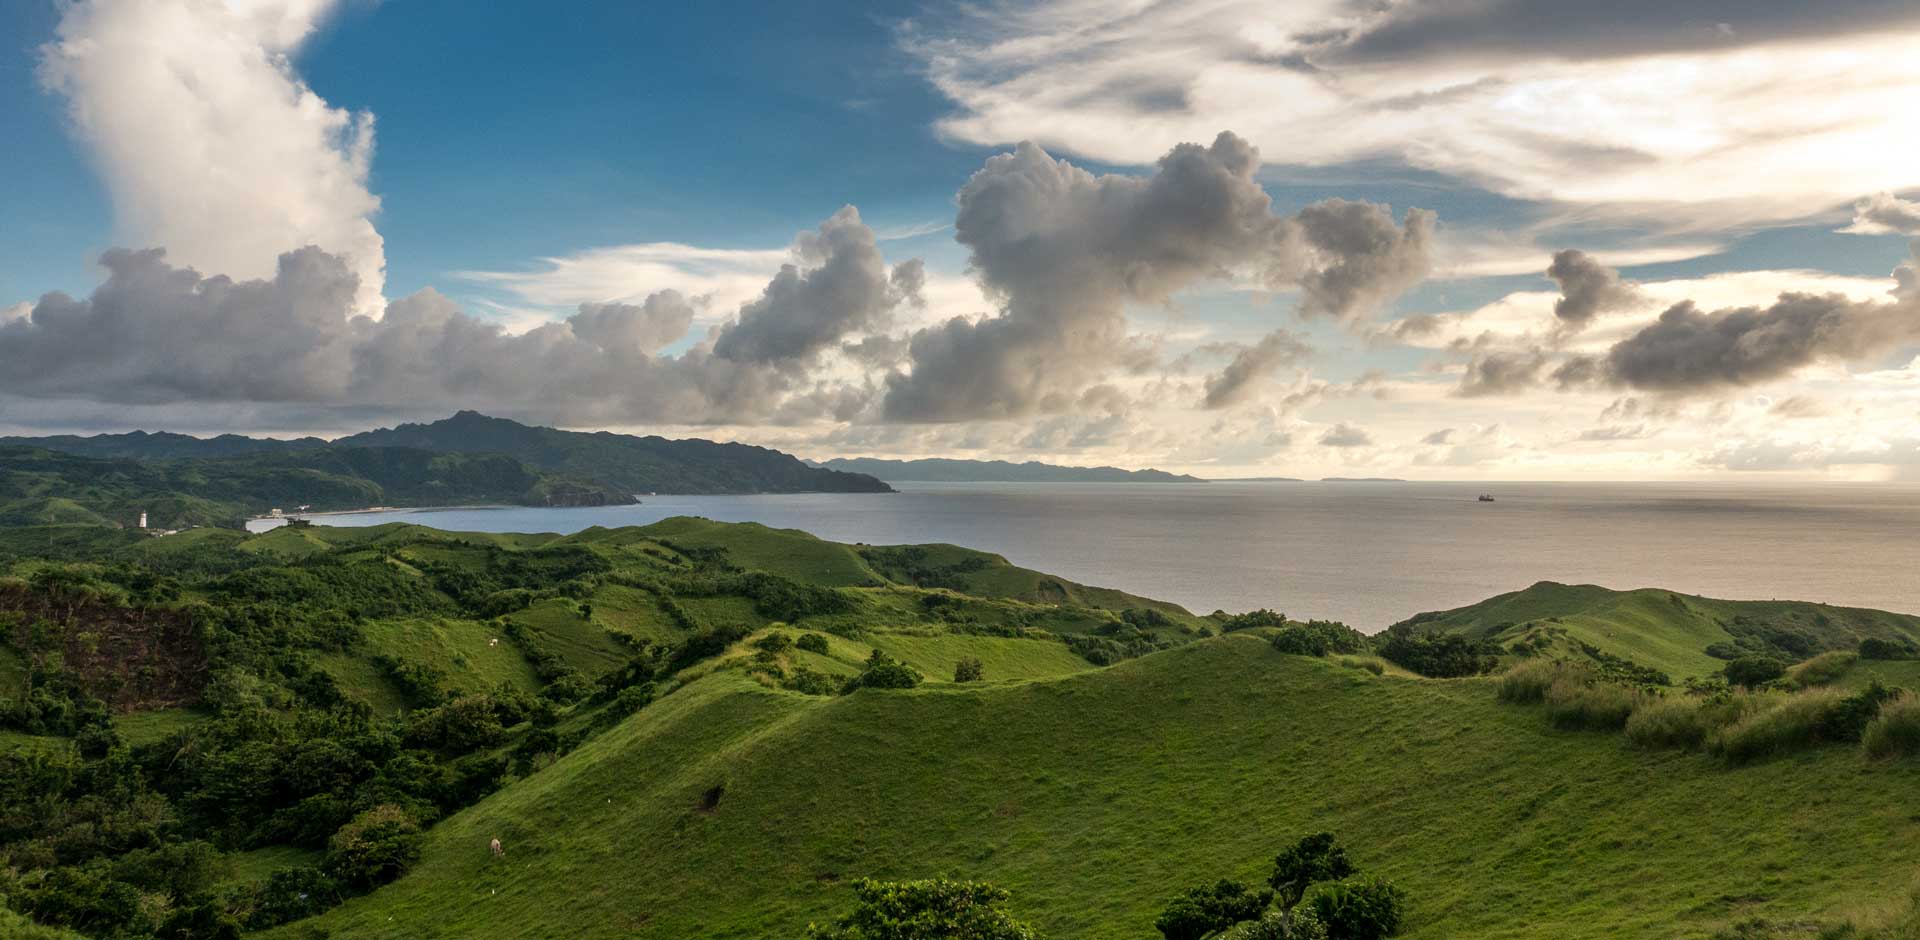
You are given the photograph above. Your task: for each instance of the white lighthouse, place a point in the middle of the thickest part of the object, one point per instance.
(143, 520)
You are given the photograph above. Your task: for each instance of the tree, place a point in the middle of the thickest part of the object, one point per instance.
(1752, 671)
(1311, 860)
(968, 669)
(884, 672)
(1361, 909)
(1209, 909)
(935, 909)
(376, 847)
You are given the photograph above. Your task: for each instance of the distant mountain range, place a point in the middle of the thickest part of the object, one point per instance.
(466, 459)
(941, 470)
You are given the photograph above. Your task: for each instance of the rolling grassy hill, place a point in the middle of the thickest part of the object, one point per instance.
(1091, 796)
(1679, 634)
(1117, 750)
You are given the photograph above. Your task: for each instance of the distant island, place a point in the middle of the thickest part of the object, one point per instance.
(941, 470)
(177, 481)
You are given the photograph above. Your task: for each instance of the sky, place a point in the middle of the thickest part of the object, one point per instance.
(1432, 239)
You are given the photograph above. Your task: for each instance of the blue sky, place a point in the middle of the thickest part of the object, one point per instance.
(526, 161)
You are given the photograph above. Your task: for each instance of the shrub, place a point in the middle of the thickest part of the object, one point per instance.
(376, 847)
(1318, 638)
(1600, 706)
(1527, 683)
(1823, 669)
(1753, 671)
(1274, 925)
(290, 894)
(812, 643)
(1874, 647)
(775, 642)
(1251, 619)
(1440, 655)
(935, 909)
(1209, 909)
(968, 669)
(810, 682)
(1669, 723)
(1896, 732)
(1794, 724)
(1360, 909)
(1371, 665)
(883, 672)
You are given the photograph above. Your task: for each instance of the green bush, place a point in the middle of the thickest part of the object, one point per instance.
(1440, 655)
(378, 846)
(1274, 925)
(1794, 723)
(1753, 671)
(935, 909)
(1527, 683)
(1359, 909)
(1823, 669)
(1874, 647)
(1896, 731)
(883, 672)
(1318, 638)
(774, 642)
(1599, 706)
(968, 669)
(1208, 909)
(1374, 666)
(290, 894)
(1674, 722)
(812, 643)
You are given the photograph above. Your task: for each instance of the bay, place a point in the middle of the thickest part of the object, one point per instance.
(1366, 553)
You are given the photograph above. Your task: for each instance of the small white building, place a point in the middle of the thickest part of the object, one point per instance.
(143, 520)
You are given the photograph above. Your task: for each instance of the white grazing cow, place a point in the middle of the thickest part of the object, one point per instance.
(497, 850)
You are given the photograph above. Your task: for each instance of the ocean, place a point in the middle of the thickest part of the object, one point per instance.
(1368, 554)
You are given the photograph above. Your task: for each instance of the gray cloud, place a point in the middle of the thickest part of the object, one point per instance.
(154, 334)
(1587, 288)
(1440, 29)
(839, 286)
(1884, 212)
(1689, 350)
(1236, 383)
(1501, 373)
(1345, 435)
(1440, 437)
(1618, 432)
(1365, 259)
(1066, 251)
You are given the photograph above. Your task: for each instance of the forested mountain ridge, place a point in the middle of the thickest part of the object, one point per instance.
(639, 465)
(43, 487)
(626, 463)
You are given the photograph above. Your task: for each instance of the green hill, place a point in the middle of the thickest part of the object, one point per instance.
(46, 487)
(1092, 796)
(1678, 634)
(673, 731)
(635, 464)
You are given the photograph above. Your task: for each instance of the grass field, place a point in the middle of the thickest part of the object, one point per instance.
(1126, 783)
(1659, 629)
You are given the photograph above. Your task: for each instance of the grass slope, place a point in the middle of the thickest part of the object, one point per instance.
(1096, 796)
(1660, 629)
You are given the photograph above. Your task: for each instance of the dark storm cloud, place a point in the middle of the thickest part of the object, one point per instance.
(1587, 288)
(1572, 29)
(1065, 251)
(1501, 373)
(1237, 382)
(153, 334)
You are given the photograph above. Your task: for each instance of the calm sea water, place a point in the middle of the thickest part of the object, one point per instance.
(1365, 553)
